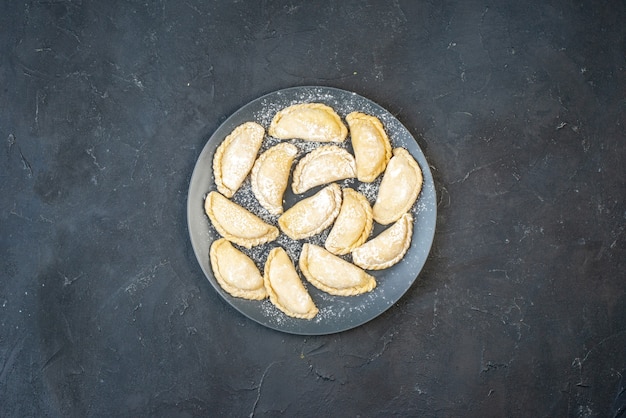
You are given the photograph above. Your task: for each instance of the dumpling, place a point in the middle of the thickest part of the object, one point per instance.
(270, 176)
(235, 156)
(399, 188)
(372, 149)
(353, 224)
(321, 166)
(235, 272)
(236, 223)
(310, 122)
(312, 215)
(333, 274)
(285, 287)
(387, 248)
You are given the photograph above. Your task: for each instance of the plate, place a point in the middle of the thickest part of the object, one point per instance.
(336, 313)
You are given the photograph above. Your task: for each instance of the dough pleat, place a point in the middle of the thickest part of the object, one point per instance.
(353, 224)
(312, 215)
(235, 156)
(399, 188)
(309, 122)
(372, 149)
(236, 223)
(322, 166)
(270, 176)
(235, 272)
(285, 288)
(387, 248)
(333, 274)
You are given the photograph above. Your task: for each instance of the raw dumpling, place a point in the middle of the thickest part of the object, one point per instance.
(333, 274)
(236, 223)
(372, 149)
(235, 272)
(285, 287)
(235, 156)
(321, 166)
(310, 122)
(270, 176)
(387, 248)
(312, 215)
(401, 184)
(353, 224)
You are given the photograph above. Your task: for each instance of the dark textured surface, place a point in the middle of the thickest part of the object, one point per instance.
(519, 106)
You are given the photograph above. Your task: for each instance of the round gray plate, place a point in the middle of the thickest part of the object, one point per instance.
(336, 313)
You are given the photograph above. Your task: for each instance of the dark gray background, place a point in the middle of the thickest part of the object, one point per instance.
(519, 107)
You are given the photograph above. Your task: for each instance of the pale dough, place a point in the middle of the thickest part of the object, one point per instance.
(285, 287)
(310, 122)
(372, 149)
(353, 224)
(235, 156)
(322, 166)
(387, 248)
(235, 272)
(333, 274)
(270, 176)
(236, 223)
(312, 215)
(401, 184)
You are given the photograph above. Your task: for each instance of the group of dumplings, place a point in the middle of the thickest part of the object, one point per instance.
(347, 211)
